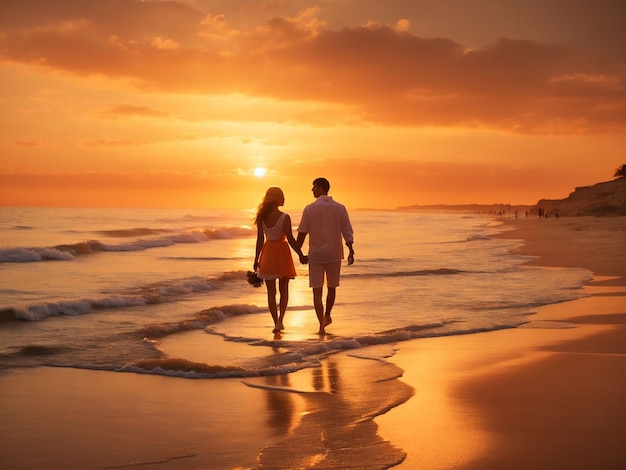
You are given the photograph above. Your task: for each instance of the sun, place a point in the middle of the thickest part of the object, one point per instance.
(259, 172)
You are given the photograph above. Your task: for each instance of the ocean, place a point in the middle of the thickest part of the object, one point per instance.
(117, 290)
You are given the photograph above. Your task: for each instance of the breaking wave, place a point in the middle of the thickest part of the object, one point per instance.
(295, 355)
(67, 252)
(156, 293)
(418, 272)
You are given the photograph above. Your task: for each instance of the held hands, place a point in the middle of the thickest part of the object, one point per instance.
(304, 259)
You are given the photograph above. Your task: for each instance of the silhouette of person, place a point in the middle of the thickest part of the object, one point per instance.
(273, 258)
(326, 222)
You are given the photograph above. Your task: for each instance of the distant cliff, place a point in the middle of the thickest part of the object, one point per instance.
(607, 198)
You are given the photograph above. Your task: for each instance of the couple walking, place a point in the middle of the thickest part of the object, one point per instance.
(326, 222)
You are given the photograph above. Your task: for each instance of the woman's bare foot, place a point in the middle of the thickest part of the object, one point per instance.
(327, 319)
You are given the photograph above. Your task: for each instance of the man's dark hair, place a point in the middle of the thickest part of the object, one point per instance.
(322, 183)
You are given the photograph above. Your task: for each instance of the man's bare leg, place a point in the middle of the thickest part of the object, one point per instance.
(330, 302)
(319, 308)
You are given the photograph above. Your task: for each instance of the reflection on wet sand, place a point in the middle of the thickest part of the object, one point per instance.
(282, 408)
(336, 428)
(326, 377)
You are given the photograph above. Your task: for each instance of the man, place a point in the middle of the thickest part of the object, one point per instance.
(326, 222)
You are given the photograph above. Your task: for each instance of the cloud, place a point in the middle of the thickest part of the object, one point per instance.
(104, 142)
(155, 180)
(124, 110)
(30, 143)
(385, 73)
(113, 189)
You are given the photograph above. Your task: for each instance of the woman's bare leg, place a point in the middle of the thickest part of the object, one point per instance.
(271, 298)
(283, 285)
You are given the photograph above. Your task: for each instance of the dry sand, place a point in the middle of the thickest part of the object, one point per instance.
(548, 396)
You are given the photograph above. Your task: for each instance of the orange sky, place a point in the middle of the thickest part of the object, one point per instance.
(150, 103)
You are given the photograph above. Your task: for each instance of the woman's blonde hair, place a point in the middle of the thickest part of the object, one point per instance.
(272, 197)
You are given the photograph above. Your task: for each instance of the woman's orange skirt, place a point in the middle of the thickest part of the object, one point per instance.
(276, 261)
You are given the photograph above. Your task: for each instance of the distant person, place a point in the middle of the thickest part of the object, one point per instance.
(326, 222)
(273, 258)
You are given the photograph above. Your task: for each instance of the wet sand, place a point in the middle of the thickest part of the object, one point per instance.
(545, 396)
(549, 395)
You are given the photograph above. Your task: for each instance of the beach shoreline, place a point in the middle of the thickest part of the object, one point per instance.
(545, 395)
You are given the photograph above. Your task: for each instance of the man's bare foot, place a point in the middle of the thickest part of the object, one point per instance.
(327, 320)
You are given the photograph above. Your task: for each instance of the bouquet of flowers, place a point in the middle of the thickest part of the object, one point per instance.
(253, 279)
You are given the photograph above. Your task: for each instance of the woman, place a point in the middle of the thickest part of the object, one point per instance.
(273, 258)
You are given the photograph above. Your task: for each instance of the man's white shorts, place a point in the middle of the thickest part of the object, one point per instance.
(318, 270)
